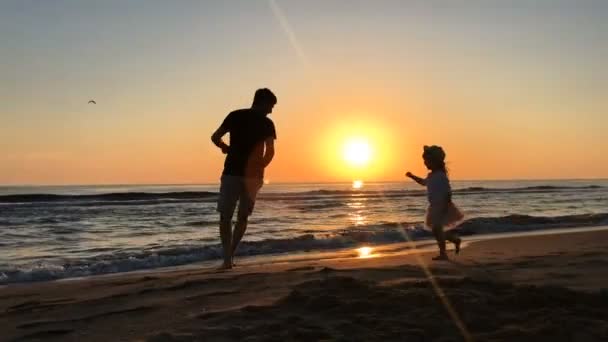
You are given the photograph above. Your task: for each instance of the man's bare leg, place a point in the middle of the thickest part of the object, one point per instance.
(226, 237)
(239, 231)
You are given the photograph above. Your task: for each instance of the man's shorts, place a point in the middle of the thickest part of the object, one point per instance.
(235, 189)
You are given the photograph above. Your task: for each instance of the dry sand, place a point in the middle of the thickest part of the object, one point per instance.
(530, 288)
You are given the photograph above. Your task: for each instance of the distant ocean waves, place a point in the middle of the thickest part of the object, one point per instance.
(130, 198)
(373, 234)
(148, 198)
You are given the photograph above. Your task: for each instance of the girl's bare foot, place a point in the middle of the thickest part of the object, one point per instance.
(441, 257)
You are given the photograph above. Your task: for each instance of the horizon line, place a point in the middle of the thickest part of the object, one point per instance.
(297, 182)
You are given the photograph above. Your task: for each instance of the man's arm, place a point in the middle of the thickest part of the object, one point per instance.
(216, 137)
(268, 151)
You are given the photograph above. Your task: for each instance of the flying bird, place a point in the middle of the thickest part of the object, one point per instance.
(92, 101)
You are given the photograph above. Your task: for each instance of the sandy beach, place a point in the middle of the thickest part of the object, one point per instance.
(547, 287)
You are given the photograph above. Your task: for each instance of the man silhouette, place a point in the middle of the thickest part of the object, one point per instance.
(250, 150)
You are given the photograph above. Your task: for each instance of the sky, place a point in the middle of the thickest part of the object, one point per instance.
(511, 89)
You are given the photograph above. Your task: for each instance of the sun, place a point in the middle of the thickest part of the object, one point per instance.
(357, 152)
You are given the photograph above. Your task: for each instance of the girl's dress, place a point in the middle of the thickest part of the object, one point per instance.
(441, 208)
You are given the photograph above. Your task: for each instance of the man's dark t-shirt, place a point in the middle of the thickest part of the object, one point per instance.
(248, 129)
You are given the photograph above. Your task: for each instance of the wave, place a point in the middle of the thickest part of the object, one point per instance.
(519, 223)
(537, 188)
(372, 194)
(324, 194)
(382, 233)
(125, 262)
(468, 189)
(325, 205)
(202, 223)
(117, 197)
(130, 198)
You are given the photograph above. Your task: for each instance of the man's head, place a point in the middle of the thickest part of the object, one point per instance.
(264, 100)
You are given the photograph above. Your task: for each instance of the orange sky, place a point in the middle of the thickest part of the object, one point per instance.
(506, 102)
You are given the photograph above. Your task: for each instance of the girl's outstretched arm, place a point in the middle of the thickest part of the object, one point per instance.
(421, 181)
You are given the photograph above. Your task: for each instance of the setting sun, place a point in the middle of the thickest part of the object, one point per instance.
(357, 147)
(357, 152)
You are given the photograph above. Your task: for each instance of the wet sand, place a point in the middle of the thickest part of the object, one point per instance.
(548, 287)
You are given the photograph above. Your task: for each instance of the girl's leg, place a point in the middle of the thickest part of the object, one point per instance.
(440, 237)
(453, 237)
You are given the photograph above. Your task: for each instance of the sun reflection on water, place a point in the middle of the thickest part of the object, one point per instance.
(365, 252)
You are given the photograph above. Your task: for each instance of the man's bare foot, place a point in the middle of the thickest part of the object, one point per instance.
(224, 267)
(441, 257)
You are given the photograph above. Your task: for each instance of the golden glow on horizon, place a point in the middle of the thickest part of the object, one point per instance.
(357, 184)
(358, 147)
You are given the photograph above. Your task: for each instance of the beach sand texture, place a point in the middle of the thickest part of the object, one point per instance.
(548, 287)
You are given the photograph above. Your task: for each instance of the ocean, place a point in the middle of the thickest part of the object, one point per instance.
(56, 232)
